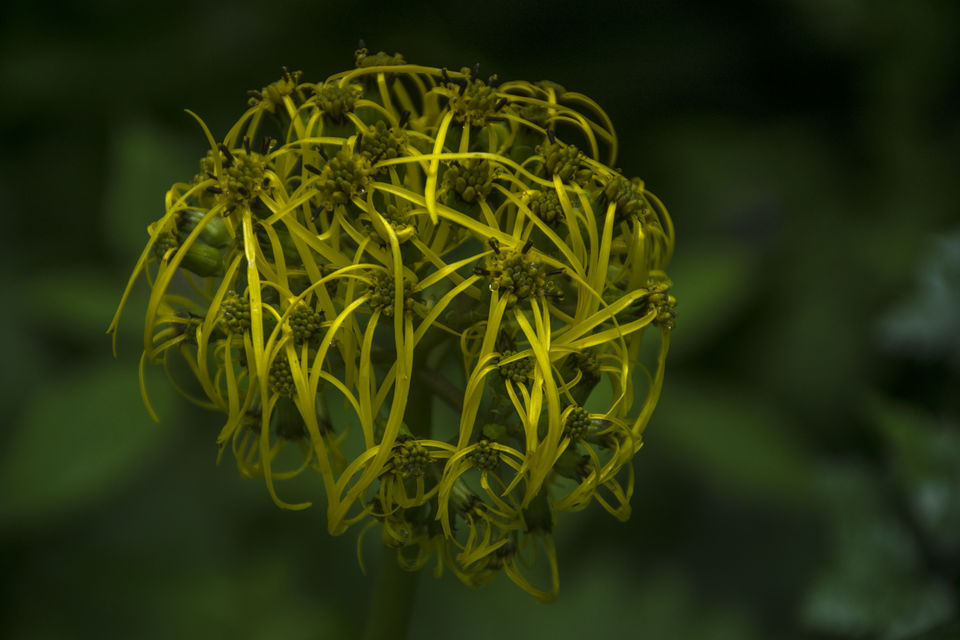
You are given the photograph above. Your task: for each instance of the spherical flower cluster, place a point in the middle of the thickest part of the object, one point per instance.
(357, 253)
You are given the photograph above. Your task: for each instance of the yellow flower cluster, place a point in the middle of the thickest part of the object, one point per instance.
(357, 251)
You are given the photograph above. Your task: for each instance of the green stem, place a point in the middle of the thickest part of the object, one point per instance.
(388, 617)
(393, 595)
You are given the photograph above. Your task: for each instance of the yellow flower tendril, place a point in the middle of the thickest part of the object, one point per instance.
(354, 249)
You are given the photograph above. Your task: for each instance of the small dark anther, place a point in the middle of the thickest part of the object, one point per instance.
(356, 145)
(253, 93)
(527, 246)
(493, 81)
(265, 183)
(246, 144)
(243, 191)
(475, 71)
(553, 294)
(323, 154)
(494, 244)
(554, 272)
(445, 75)
(312, 169)
(226, 152)
(480, 271)
(551, 135)
(494, 119)
(210, 175)
(375, 159)
(404, 119)
(213, 189)
(501, 103)
(265, 146)
(463, 87)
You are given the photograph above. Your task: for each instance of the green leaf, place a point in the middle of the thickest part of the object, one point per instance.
(875, 584)
(81, 436)
(924, 453)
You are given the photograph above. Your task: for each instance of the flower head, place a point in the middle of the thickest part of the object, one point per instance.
(354, 248)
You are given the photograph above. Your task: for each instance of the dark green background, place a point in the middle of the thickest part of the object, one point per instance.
(801, 476)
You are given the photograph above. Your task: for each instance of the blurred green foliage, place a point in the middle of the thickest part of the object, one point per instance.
(801, 477)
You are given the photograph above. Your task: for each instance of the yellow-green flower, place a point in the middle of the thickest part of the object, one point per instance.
(355, 248)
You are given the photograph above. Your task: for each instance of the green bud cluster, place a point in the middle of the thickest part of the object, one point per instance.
(364, 58)
(381, 294)
(304, 322)
(546, 206)
(271, 97)
(519, 275)
(475, 101)
(564, 161)
(280, 377)
(383, 142)
(471, 180)
(236, 313)
(517, 371)
(628, 196)
(577, 424)
(243, 179)
(410, 458)
(335, 101)
(485, 457)
(343, 177)
(164, 242)
(497, 209)
(658, 299)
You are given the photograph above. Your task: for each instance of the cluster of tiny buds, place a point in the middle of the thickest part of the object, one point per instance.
(236, 312)
(280, 377)
(410, 458)
(381, 293)
(577, 423)
(660, 300)
(517, 371)
(304, 322)
(516, 273)
(484, 457)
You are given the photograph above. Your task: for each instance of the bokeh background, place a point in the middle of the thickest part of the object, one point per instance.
(801, 476)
